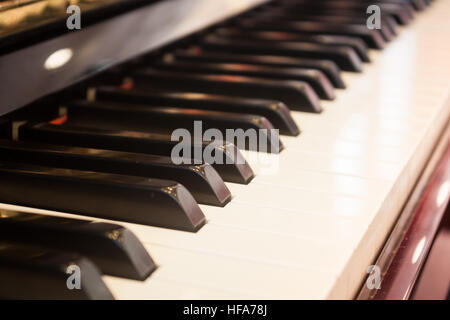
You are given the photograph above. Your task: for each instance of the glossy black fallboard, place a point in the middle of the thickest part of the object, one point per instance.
(38, 20)
(26, 77)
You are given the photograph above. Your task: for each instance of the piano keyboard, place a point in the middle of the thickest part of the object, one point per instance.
(309, 228)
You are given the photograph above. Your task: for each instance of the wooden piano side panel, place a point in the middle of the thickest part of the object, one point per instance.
(422, 38)
(416, 237)
(434, 281)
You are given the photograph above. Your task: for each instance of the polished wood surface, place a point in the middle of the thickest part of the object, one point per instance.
(434, 281)
(407, 249)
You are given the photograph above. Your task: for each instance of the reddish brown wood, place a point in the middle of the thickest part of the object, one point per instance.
(434, 281)
(400, 278)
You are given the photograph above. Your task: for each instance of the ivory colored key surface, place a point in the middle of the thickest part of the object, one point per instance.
(311, 228)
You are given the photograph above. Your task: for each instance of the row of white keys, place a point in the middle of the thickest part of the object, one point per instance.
(292, 235)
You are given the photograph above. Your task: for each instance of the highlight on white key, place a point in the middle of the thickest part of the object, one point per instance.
(209, 146)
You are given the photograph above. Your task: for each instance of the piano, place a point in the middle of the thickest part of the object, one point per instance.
(349, 201)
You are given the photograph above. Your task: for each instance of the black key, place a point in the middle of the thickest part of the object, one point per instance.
(31, 272)
(295, 94)
(229, 168)
(419, 5)
(345, 57)
(276, 112)
(201, 180)
(389, 25)
(387, 20)
(114, 249)
(403, 13)
(416, 5)
(402, 10)
(153, 202)
(372, 38)
(315, 78)
(125, 116)
(406, 4)
(388, 28)
(329, 15)
(5, 129)
(329, 68)
(355, 43)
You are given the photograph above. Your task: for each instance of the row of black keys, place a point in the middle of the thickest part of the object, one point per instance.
(288, 53)
(149, 114)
